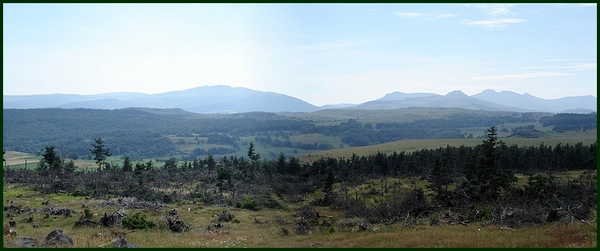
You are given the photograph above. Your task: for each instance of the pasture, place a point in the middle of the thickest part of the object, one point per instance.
(409, 145)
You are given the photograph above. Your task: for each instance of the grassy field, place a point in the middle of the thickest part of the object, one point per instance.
(264, 229)
(327, 117)
(29, 161)
(552, 139)
(21, 160)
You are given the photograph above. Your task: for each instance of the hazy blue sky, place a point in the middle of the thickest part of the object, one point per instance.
(320, 53)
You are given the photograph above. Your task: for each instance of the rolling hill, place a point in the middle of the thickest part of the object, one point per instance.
(583, 104)
(454, 99)
(225, 99)
(204, 99)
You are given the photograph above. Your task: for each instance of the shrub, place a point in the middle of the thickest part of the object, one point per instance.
(331, 230)
(78, 192)
(224, 217)
(137, 221)
(168, 198)
(87, 214)
(374, 220)
(479, 213)
(249, 204)
(284, 231)
(271, 203)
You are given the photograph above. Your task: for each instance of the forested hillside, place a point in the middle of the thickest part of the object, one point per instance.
(149, 133)
(132, 132)
(570, 122)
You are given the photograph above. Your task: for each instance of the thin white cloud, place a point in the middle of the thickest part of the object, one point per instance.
(326, 46)
(495, 23)
(567, 5)
(520, 76)
(499, 10)
(579, 66)
(569, 60)
(501, 15)
(445, 16)
(409, 14)
(424, 16)
(95, 31)
(493, 9)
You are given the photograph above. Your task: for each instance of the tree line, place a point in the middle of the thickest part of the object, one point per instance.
(564, 122)
(355, 133)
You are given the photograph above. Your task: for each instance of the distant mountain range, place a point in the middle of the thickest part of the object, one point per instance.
(205, 99)
(452, 99)
(225, 99)
(488, 100)
(584, 104)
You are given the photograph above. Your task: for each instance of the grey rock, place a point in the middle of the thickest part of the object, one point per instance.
(119, 243)
(58, 237)
(23, 242)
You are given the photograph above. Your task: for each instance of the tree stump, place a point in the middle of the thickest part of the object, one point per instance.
(552, 216)
(176, 225)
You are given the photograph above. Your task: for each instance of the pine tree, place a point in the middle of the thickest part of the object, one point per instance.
(328, 187)
(210, 162)
(486, 179)
(127, 167)
(51, 159)
(439, 176)
(294, 166)
(282, 164)
(254, 157)
(99, 152)
(329, 181)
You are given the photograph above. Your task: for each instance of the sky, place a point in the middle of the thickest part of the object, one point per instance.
(320, 53)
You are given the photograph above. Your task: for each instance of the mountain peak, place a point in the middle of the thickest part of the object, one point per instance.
(394, 96)
(456, 93)
(489, 91)
(528, 95)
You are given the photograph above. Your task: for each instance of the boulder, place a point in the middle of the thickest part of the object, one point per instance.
(119, 243)
(58, 237)
(22, 242)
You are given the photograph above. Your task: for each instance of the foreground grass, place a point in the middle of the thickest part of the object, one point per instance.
(268, 235)
(473, 236)
(264, 229)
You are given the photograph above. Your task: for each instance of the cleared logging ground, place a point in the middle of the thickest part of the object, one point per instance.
(277, 227)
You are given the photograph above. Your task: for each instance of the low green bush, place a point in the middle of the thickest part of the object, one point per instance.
(249, 204)
(137, 221)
